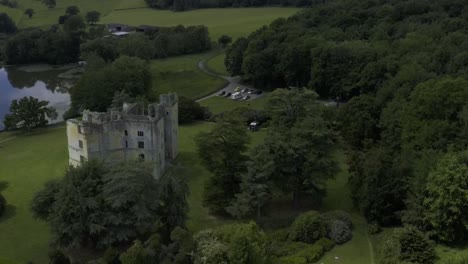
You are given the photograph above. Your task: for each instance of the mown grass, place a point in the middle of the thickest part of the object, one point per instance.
(219, 104)
(181, 75)
(216, 64)
(26, 163)
(235, 22)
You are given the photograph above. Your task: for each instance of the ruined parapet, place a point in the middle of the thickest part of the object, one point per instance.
(133, 108)
(168, 99)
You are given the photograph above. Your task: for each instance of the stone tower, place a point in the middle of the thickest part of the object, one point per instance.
(171, 123)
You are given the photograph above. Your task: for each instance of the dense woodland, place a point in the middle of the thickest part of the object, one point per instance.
(402, 66)
(182, 5)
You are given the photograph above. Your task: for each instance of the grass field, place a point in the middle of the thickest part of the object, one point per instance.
(235, 22)
(45, 17)
(181, 75)
(26, 163)
(216, 64)
(219, 104)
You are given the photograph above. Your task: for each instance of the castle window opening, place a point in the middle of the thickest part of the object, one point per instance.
(79, 130)
(126, 132)
(140, 133)
(82, 159)
(80, 143)
(126, 144)
(141, 144)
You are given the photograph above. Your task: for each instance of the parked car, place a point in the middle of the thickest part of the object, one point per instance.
(237, 89)
(245, 90)
(258, 92)
(247, 97)
(222, 93)
(228, 95)
(236, 96)
(251, 92)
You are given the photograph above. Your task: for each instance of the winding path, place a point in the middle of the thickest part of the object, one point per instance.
(233, 82)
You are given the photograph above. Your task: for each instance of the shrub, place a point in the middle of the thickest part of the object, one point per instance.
(339, 232)
(339, 215)
(2, 204)
(325, 243)
(57, 257)
(308, 228)
(311, 254)
(408, 245)
(291, 260)
(374, 228)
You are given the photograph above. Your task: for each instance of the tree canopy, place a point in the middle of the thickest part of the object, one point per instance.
(28, 113)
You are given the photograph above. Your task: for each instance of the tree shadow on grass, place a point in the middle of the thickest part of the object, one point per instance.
(10, 211)
(3, 185)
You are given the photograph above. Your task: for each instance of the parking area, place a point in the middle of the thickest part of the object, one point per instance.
(239, 93)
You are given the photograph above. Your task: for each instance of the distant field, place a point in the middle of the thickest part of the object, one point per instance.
(235, 22)
(181, 75)
(44, 16)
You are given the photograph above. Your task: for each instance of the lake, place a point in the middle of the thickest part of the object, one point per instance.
(40, 81)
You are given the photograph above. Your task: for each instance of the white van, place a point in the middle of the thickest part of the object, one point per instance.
(236, 96)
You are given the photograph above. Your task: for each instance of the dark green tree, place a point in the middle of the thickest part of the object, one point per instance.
(173, 193)
(137, 253)
(7, 25)
(74, 23)
(28, 113)
(408, 245)
(359, 119)
(235, 56)
(255, 187)
(2, 205)
(446, 199)
(92, 17)
(136, 45)
(72, 10)
(29, 12)
(224, 40)
(190, 110)
(43, 201)
(57, 257)
(49, 3)
(222, 153)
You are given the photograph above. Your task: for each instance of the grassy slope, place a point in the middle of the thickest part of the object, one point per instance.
(235, 22)
(216, 64)
(26, 163)
(181, 75)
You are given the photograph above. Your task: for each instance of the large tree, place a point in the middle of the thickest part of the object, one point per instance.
(97, 206)
(6, 24)
(72, 10)
(222, 153)
(97, 87)
(137, 45)
(28, 113)
(446, 199)
(92, 17)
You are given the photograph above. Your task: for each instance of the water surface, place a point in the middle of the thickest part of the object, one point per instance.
(42, 82)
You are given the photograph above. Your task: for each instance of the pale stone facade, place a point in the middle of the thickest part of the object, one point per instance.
(130, 134)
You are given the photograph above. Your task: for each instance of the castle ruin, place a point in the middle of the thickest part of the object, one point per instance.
(129, 134)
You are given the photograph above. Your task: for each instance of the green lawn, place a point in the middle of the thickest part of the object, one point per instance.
(26, 163)
(181, 75)
(356, 251)
(220, 104)
(216, 64)
(235, 22)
